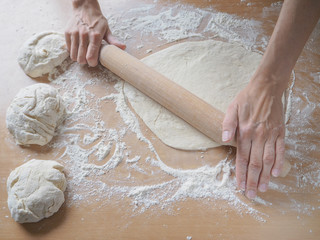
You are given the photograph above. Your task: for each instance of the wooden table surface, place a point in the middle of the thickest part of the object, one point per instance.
(113, 219)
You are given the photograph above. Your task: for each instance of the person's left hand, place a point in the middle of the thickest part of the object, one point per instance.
(85, 32)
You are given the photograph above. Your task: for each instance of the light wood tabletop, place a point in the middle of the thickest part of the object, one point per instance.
(293, 213)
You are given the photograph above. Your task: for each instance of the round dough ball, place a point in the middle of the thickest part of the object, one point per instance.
(34, 114)
(35, 190)
(42, 53)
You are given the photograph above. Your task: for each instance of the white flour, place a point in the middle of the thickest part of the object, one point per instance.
(100, 162)
(181, 22)
(87, 178)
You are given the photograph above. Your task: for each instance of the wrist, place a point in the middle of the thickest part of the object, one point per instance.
(85, 4)
(269, 82)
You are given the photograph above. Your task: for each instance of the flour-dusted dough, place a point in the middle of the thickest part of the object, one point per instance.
(213, 70)
(42, 53)
(35, 190)
(34, 114)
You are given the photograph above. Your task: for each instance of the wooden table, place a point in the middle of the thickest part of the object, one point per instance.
(113, 220)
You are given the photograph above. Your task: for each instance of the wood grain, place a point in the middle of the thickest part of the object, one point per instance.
(113, 218)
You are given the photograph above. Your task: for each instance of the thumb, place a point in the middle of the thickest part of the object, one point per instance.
(230, 123)
(113, 40)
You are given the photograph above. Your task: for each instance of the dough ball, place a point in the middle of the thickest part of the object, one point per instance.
(214, 71)
(35, 190)
(42, 53)
(34, 114)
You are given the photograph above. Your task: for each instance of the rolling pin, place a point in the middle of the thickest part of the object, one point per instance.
(192, 109)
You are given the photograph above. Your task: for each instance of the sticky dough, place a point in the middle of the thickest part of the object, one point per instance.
(41, 53)
(213, 70)
(35, 190)
(34, 114)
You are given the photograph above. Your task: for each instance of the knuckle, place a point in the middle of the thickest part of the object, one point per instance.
(84, 35)
(268, 160)
(242, 162)
(245, 131)
(255, 165)
(96, 36)
(85, 32)
(92, 59)
(279, 130)
(228, 122)
(67, 33)
(83, 45)
(261, 132)
(90, 56)
(75, 32)
(252, 184)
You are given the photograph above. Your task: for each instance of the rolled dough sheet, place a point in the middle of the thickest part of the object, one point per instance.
(213, 70)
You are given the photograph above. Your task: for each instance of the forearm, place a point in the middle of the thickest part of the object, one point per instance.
(84, 3)
(86, 7)
(255, 116)
(294, 26)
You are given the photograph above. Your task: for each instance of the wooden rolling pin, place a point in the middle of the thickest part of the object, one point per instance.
(167, 93)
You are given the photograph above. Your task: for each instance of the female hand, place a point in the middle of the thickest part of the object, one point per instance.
(85, 32)
(255, 118)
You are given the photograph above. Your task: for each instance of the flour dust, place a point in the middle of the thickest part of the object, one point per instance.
(102, 164)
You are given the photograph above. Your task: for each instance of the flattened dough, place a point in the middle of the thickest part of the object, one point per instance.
(213, 70)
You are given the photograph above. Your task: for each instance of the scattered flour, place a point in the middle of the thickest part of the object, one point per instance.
(133, 160)
(182, 21)
(96, 153)
(103, 149)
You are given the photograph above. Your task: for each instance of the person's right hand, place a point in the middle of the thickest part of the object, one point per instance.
(85, 32)
(255, 118)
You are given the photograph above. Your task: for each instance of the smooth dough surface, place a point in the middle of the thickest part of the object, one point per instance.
(41, 53)
(213, 70)
(34, 114)
(35, 190)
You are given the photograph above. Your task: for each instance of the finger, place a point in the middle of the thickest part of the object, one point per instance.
(242, 159)
(74, 45)
(230, 123)
(268, 161)
(254, 167)
(83, 45)
(280, 150)
(113, 40)
(95, 39)
(67, 36)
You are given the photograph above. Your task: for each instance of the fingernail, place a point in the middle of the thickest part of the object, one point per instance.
(251, 194)
(275, 172)
(225, 136)
(243, 186)
(263, 187)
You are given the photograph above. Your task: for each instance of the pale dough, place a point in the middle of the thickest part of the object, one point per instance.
(42, 53)
(35, 190)
(213, 70)
(34, 114)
